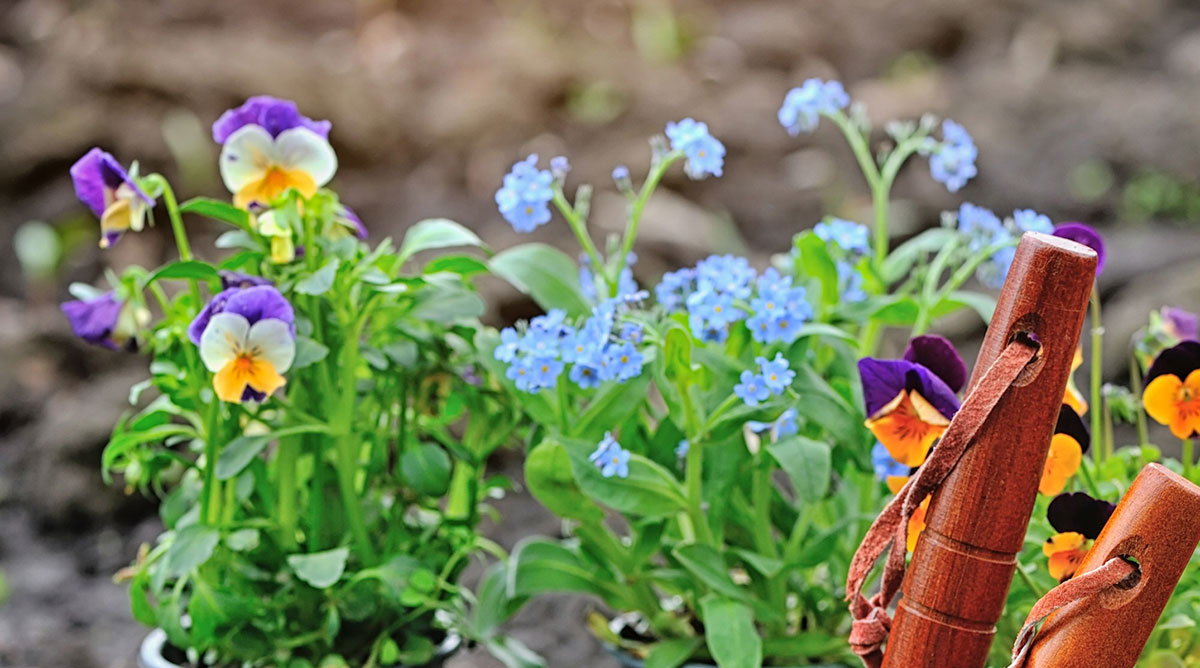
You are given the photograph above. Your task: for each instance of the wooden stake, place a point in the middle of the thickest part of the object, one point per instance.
(1157, 523)
(958, 580)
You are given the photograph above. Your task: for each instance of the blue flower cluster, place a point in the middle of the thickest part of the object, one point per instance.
(716, 291)
(983, 228)
(539, 356)
(610, 457)
(952, 162)
(803, 106)
(784, 425)
(885, 465)
(773, 377)
(524, 198)
(705, 154)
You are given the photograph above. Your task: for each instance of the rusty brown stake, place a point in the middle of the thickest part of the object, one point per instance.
(957, 582)
(1157, 524)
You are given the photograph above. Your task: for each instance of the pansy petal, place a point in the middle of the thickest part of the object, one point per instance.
(882, 380)
(301, 149)
(1178, 360)
(271, 113)
(916, 524)
(1079, 513)
(89, 180)
(259, 303)
(933, 389)
(230, 382)
(270, 340)
(224, 336)
(1071, 424)
(1086, 235)
(246, 157)
(1183, 325)
(937, 354)
(1159, 398)
(263, 377)
(1062, 462)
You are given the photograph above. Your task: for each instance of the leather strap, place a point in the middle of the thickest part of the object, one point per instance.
(889, 531)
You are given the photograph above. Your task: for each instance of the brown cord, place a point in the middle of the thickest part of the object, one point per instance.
(1113, 572)
(871, 621)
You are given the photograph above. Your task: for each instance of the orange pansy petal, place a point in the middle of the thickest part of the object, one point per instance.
(230, 382)
(1062, 565)
(916, 524)
(1062, 462)
(273, 184)
(896, 482)
(901, 429)
(263, 377)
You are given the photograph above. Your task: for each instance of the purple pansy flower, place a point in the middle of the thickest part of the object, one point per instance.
(111, 193)
(1080, 513)
(254, 303)
(1086, 235)
(908, 406)
(1183, 325)
(270, 113)
(937, 354)
(95, 320)
(236, 279)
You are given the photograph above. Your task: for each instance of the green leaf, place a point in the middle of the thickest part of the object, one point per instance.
(768, 566)
(308, 352)
(546, 274)
(426, 468)
(649, 491)
(672, 653)
(820, 329)
(677, 354)
(435, 233)
(820, 404)
(896, 311)
(548, 477)
(707, 564)
(320, 569)
(242, 540)
(902, 258)
(192, 546)
(236, 239)
(217, 210)
(139, 601)
(806, 462)
(463, 265)
(983, 304)
(237, 454)
(447, 303)
(815, 261)
(538, 566)
(201, 271)
(611, 406)
(320, 281)
(730, 634)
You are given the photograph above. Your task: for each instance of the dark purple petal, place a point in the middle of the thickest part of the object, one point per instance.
(1086, 235)
(96, 172)
(262, 302)
(360, 230)
(251, 394)
(883, 379)
(1080, 513)
(1183, 325)
(1178, 361)
(1071, 424)
(934, 389)
(94, 320)
(214, 306)
(272, 114)
(937, 354)
(236, 279)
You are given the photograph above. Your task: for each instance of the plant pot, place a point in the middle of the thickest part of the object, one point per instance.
(150, 654)
(628, 660)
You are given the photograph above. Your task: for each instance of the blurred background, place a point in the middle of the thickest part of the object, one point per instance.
(1082, 109)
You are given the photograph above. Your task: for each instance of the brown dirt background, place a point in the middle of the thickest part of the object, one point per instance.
(1077, 105)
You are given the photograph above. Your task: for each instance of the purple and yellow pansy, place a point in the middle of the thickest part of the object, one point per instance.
(247, 338)
(1172, 394)
(1078, 519)
(112, 193)
(267, 147)
(1067, 447)
(105, 321)
(908, 403)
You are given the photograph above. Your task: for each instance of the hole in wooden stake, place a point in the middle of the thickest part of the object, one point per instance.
(1133, 579)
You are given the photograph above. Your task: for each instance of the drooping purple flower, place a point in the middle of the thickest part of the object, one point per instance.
(1086, 235)
(1183, 325)
(236, 279)
(1080, 513)
(270, 113)
(347, 216)
(937, 354)
(254, 303)
(95, 320)
(111, 193)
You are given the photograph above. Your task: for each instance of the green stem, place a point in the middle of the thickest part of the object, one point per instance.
(1088, 480)
(1135, 384)
(657, 170)
(579, 227)
(177, 229)
(1029, 582)
(1189, 458)
(286, 463)
(1097, 374)
(209, 504)
(347, 444)
(693, 481)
